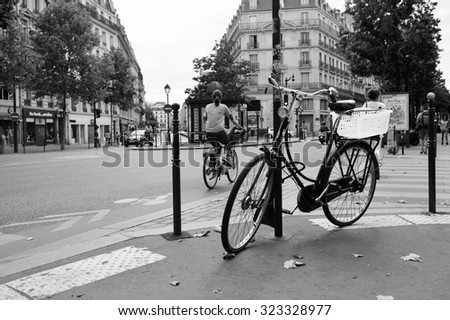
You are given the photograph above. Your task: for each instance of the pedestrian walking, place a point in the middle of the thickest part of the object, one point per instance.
(422, 123)
(443, 124)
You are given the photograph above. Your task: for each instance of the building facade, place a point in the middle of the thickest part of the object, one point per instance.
(310, 58)
(41, 116)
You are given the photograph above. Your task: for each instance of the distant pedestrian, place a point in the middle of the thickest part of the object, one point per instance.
(372, 100)
(444, 129)
(9, 136)
(372, 103)
(422, 123)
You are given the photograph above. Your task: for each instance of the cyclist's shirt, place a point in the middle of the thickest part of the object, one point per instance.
(216, 117)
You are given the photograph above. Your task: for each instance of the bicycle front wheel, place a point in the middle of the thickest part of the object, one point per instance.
(210, 170)
(352, 178)
(232, 172)
(246, 205)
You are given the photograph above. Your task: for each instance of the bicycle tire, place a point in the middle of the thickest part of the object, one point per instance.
(210, 170)
(246, 204)
(232, 172)
(352, 171)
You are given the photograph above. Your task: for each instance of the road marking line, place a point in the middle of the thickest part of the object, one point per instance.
(70, 214)
(8, 238)
(34, 222)
(386, 221)
(100, 215)
(67, 224)
(50, 282)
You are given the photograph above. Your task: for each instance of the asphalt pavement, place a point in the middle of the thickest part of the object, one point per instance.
(396, 251)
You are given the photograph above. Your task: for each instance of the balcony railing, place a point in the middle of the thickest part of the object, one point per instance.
(302, 23)
(253, 45)
(304, 43)
(304, 63)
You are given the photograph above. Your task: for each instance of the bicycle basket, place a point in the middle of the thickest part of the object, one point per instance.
(363, 124)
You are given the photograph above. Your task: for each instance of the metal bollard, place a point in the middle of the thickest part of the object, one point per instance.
(431, 156)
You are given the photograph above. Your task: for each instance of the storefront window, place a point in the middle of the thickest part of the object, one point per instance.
(31, 133)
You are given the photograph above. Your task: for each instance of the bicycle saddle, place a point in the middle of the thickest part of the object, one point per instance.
(342, 105)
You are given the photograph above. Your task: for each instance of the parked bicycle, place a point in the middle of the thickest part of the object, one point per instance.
(214, 165)
(344, 185)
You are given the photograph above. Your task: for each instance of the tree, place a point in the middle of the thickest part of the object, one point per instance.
(397, 43)
(122, 80)
(64, 42)
(17, 61)
(6, 13)
(221, 66)
(150, 119)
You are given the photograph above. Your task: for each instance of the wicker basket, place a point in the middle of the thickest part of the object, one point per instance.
(363, 124)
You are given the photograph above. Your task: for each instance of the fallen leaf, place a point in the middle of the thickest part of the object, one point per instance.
(218, 228)
(379, 297)
(201, 234)
(412, 257)
(228, 256)
(175, 283)
(357, 255)
(402, 201)
(293, 264)
(297, 256)
(216, 291)
(30, 238)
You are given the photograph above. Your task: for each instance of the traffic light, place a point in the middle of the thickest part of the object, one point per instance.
(286, 99)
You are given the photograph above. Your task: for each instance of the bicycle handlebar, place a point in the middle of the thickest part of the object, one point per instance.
(330, 91)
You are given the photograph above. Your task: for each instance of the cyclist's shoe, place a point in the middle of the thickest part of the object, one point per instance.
(213, 175)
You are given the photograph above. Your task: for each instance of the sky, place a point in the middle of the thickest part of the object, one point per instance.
(167, 36)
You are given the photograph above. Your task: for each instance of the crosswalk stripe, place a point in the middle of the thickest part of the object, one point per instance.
(50, 282)
(386, 221)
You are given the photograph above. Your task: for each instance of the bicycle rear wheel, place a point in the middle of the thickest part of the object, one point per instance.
(351, 179)
(246, 205)
(210, 170)
(232, 172)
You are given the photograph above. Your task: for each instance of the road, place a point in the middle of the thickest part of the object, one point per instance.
(37, 185)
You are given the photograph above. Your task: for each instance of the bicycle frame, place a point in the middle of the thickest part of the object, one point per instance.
(311, 195)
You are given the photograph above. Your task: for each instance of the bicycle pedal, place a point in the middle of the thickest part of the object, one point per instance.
(286, 211)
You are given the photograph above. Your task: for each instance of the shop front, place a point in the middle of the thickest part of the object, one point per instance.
(196, 120)
(40, 127)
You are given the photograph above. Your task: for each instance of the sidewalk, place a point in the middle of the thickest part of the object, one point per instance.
(332, 271)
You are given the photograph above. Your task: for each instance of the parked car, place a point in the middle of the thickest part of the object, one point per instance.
(137, 138)
(290, 133)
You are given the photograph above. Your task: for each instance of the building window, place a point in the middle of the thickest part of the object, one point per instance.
(304, 76)
(305, 2)
(304, 18)
(104, 38)
(253, 4)
(304, 38)
(253, 42)
(254, 64)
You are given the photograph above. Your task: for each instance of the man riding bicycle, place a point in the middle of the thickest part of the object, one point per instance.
(215, 119)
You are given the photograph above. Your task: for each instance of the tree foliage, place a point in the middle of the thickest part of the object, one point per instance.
(17, 60)
(221, 66)
(64, 42)
(395, 41)
(122, 81)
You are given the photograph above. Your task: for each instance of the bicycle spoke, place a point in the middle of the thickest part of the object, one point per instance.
(352, 184)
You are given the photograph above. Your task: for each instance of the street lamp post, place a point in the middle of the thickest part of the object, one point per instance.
(167, 91)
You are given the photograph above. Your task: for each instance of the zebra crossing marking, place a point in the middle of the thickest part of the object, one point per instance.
(368, 222)
(50, 282)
